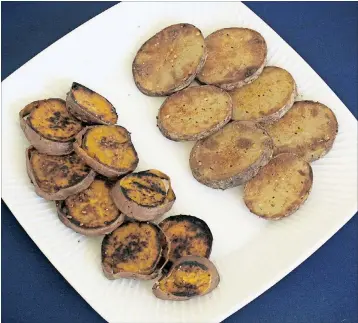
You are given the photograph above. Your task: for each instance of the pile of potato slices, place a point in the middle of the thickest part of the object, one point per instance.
(81, 159)
(247, 126)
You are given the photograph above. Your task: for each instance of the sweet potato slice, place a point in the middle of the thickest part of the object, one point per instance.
(236, 56)
(134, 250)
(308, 130)
(170, 60)
(57, 177)
(145, 195)
(188, 277)
(89, 106)
(266, 99)
(107, 149)
(49, 127)
(280, 187)
(188, 236)
(194, 113)
(91, 212)
(231, 156)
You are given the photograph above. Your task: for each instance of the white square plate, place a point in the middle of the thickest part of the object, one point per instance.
(251, 254)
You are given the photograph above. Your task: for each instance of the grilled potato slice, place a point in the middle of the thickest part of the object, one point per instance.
(266, 99)
(280, 187)
(236, 56)
(134, 250)
(89, 106)
(107, 149)
(194, 113)
(57, 177)
(91, 212)
(145, 195)
(189, 276)
(307, 130)
(188, 236)
(49, 127)
(170, 60)
(231, 156)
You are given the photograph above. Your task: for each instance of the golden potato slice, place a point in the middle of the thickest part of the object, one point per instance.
(57, 177)
(308, 130)
(170, 60)
(144, 195)
(133, 250)
(266, 99)
(90, 106)
(280, 187)
(107, 149)
(189, 276)
(194, 113)
(231, 156)
(236, 56)
(188, 236)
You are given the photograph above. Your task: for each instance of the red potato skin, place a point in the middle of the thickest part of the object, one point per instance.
(96, 165)
(43, 145)
(163, 258)
(63, 193)
(204, 261)
(63, 216)
(135, 211)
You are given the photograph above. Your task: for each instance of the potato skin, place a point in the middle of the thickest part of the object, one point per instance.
(165, 38)
(64, 218)
(187, 259)
(63, 193)
(42, 144)
(164, 245)
(96, 165)
(191, 96)
(238, 178)
(82, 113)
(136, 211)
(242, 64)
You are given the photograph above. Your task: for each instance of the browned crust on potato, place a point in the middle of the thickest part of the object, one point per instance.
(67, 220)
(81, 112)
(100, 168)
(297, 120)
(42, 144)
(63, 193)
(279, 110)
(269, 174)
(136, 211)
(162, 38)
(162, 260)
(188, 259)
(242, 69)
(191, 99)
(237, 178)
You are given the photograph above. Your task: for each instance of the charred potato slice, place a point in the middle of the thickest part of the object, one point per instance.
(266, 99)
(145, 195)
(189, 276)
(92, 211)
(57, 177)
(188, 236)
(194, 113)
(89, 106)
(49, 127)
(308, 130)
(236, 56)
(280, 187)
(231, 156)
(134, 250)
(170, 60)
(107, 149)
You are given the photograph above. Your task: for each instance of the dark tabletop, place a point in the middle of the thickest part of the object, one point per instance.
(321, 290)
